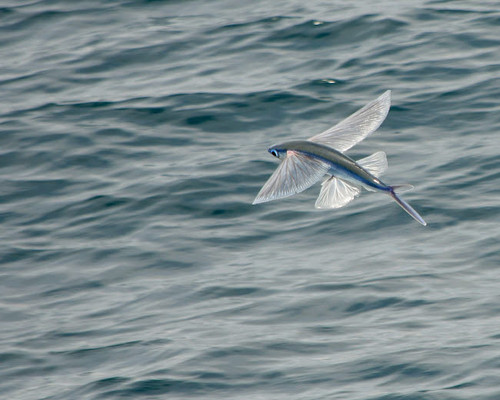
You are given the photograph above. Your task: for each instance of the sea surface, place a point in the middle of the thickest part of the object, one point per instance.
(133, 140)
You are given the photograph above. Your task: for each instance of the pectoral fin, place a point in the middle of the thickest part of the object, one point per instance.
(356, 127)
(295, 174)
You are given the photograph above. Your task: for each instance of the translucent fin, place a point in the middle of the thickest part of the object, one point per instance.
(402, 188)
(336, 193)
(295, 174)
(356, 127)
(376, 164)
(409, 209)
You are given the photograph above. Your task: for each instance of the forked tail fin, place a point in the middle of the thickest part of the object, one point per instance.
(405, 206)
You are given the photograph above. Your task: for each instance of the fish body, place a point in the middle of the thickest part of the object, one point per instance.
(306, 161)
(340, 165)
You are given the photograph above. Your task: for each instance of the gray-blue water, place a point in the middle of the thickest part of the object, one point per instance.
(133, 138)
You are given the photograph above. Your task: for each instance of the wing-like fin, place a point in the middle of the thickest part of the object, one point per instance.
(295, 174)
(376, 164)
(356, 127)
(336, 193)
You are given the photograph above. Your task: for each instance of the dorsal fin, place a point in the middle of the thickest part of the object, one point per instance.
(376, 164)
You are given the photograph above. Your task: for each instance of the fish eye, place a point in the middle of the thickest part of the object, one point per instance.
(274, 153)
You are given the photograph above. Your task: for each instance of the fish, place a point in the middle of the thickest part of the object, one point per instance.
(305, 162)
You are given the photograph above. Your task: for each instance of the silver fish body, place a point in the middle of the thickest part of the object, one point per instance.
(341, 166)
(307, 161)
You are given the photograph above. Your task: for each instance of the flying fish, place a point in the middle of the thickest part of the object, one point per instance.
(305, 162)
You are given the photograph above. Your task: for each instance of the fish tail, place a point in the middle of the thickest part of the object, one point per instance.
(405, 206)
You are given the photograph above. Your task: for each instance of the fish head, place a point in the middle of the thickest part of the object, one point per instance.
(278, 151)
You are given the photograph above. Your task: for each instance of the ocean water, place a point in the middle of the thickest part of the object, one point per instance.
(133, 138)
